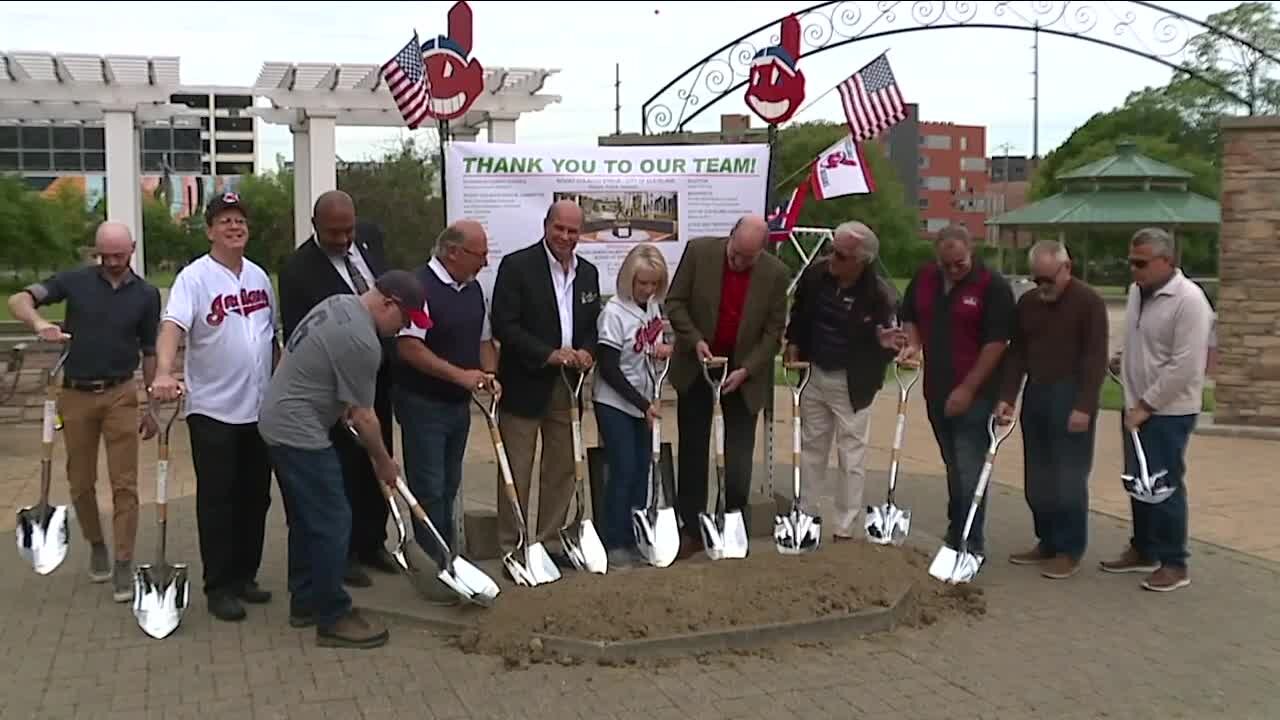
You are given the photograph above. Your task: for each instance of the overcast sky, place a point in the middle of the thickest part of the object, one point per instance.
(967, 76)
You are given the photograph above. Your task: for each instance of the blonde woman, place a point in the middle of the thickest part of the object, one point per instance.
(630, 329)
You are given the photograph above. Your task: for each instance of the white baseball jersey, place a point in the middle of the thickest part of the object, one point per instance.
(632, 330)
(230, 326)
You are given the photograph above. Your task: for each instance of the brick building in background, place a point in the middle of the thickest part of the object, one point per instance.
(944, 169)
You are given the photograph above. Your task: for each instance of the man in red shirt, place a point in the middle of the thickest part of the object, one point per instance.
(728, 298)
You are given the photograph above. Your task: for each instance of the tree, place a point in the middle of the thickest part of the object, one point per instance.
(269, 201)
(398, 192)
(884, 211)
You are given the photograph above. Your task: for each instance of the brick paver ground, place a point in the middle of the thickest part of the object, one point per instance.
(1093, 646)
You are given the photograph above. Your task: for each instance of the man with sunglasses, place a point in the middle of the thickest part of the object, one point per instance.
(959, 313)
(842, 317)
(1168, 322)
(1060, 345)
(111, 321)
(329, 375)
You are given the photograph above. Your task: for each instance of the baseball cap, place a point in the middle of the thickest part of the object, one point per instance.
(406, 290)
(223, 201)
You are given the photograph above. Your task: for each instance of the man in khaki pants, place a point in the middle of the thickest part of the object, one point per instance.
(112, 319)
(841, 323)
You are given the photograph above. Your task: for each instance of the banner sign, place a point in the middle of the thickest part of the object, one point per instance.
(664, 195)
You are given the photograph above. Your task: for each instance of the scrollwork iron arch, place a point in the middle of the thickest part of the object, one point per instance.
(1139, 28)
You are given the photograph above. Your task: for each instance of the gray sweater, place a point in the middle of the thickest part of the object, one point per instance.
(1166, 344)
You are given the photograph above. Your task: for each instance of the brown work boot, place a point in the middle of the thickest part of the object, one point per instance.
(1034, 556)
(1130, 561)
(1167, 578)
(352, 631)
(1060, 567)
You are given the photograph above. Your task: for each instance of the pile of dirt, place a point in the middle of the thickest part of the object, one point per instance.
(699, 595)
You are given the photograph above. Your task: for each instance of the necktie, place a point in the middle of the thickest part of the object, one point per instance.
(357, 279)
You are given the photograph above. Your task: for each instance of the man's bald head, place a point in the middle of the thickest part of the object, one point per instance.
(113, 244)
(562, 227)
(463, 248)
(747, 241)
(334, 221)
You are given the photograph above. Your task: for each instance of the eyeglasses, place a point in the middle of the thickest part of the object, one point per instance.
(1138, 263)
(231, 220)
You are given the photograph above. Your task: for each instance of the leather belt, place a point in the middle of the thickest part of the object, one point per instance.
(95, 386)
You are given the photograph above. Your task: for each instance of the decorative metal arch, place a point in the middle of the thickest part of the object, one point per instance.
(829, 25)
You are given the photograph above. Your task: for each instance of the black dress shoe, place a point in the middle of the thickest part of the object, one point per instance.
(225, 606)
(355, 576)
(251, 593)
(382, 561)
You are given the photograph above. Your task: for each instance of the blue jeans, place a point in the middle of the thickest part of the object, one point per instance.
(1160, 531)
(963, 443)
(1056, 466)
(628, 445)
(433, 434)
(319, 518)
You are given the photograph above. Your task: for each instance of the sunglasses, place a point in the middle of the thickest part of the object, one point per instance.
(1138, 264)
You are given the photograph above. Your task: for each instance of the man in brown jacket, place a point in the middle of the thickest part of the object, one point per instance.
(728, 298)
(1060, 345)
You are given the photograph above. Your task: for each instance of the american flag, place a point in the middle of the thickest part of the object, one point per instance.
(871, 99)
(406, 77)
(783, 217)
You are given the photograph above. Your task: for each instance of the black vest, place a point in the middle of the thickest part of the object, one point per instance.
(457, 318)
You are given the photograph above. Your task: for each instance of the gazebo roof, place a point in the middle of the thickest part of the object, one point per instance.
(1116, 207)
(1125, 189)
(1127, 163)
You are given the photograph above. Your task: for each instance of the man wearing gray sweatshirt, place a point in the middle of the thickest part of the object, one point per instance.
(1166, 341)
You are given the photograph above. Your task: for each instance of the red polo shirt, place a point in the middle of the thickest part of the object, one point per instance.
(733, 296)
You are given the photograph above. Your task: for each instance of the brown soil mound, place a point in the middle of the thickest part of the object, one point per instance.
(698, 595)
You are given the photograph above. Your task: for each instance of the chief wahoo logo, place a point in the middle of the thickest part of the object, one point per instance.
(776, 87)
(454, 78)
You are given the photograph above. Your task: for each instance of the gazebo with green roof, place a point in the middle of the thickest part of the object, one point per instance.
(1122, 191)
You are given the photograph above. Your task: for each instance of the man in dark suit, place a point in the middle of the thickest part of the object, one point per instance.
(346, 256)
(728, 298)
(546, 301)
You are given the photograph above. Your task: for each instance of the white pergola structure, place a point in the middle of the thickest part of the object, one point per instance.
(119, 91)
(314, 98)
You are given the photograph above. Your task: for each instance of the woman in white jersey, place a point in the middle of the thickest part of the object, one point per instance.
(630, 329)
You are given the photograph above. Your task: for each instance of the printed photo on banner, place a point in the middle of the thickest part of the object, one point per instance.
(627, 217)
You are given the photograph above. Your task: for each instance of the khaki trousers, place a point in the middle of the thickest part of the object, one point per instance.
(826, 414)
(555, 474)
(110, 416)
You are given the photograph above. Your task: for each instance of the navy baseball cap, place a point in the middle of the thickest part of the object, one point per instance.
(221, 202)
(406, 290)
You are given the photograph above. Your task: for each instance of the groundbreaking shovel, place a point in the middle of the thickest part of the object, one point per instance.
(529, 564)
(796, 532)
(579, 538)
(655, 528)
(961, 566)
(468, 581)
(160, 590)
(725, 534)
(1147, 487)
(42, 532)
(889, 524)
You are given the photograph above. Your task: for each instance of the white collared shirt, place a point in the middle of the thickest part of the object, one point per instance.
(438, 268)
(562, 284)
(357, 259)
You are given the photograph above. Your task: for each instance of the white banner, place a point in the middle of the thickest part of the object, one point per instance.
(663, 195)
(842, 170)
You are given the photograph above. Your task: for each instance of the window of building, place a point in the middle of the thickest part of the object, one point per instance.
(964, 143)
(938, 142)
(936, 224)
(935, 182)
(924, 203)
(924, 161)
(964, 184)
(973, 164)
(235, 124)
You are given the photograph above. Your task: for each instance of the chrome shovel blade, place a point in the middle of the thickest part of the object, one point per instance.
(402, 536)
(582, 545)
(658, 541)
(954, 567)
(160, 598)
(796, 533)
(887, 524)
(518, 571)
(729, 544)
(1159, 491)
(43, 541)
(470, 582)
(542, 569)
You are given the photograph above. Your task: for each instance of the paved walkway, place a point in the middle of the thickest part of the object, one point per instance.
(1093, 646)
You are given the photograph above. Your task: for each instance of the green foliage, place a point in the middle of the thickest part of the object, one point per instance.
(884, 211)
(39, 233)
(269, 201)
(398, 192)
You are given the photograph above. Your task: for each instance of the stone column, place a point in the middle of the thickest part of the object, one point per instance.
(124, 196)
(301, 182)
(1248, 376)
